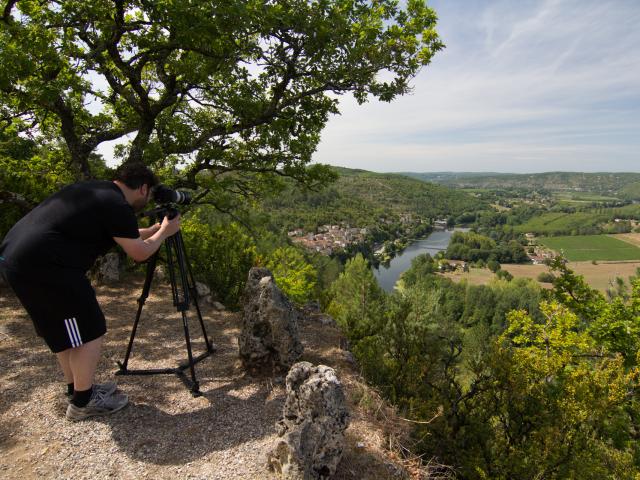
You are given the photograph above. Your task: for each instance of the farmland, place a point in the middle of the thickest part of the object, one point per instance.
(592, 247)
(560, 223)
(599, 276)
(633, 238)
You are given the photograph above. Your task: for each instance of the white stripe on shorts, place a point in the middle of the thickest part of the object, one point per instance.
(75, 324)
(73, 331)
(71, 337)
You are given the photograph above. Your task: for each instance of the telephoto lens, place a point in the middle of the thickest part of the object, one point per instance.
(163, 194)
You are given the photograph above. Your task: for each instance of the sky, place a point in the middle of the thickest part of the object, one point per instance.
(522, 86)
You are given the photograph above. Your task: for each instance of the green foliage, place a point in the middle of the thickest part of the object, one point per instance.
(571, 290)
(520, 387)
(504, 275)
(421, 266)
(221, 256)
(329, 269)
(367, 199)
(30, 171)
(357, 304)
(546, 277)
(493, 265)
(552, 402)
(471, 247)
(292, 273)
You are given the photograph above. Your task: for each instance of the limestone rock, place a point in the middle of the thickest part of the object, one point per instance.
(202, 289)
(203, 294)
(312, 427)
(325, 320)
(311, 308)
(218, 306)
(108, 268)
(269, 336)
(160, 274)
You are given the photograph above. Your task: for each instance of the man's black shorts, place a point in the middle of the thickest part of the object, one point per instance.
(63, 308)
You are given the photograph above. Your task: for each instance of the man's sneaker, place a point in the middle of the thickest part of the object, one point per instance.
(100, 404)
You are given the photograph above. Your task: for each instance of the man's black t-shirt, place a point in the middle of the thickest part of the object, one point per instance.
(69, 230)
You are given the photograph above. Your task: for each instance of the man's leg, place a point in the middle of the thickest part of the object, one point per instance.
(82, 362)
(63, 360)
(90, 400)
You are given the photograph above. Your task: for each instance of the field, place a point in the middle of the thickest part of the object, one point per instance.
(592, 247)
(581, 198)
(599, 276)
(558, 222)
(632, 238)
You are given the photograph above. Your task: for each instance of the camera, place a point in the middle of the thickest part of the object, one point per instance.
(163, 194)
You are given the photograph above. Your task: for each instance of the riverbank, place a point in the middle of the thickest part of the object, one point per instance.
(435, 242)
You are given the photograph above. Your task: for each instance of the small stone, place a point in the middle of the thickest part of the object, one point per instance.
(326, 320)
(218, 306)
(107, 269)
(202, 289)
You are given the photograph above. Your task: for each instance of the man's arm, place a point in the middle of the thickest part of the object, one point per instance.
(148, 232)
(140, 249)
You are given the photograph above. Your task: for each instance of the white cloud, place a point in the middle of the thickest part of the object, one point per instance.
(553, 82)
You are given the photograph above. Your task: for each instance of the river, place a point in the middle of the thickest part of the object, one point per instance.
(435, 242)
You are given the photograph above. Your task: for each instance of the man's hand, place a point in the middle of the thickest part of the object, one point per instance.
(140, 249)
(170, 226)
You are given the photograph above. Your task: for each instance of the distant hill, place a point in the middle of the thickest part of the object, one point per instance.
(361, 198)
(622, 184)
(449, 177)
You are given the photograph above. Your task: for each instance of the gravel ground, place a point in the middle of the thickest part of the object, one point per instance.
(164, 432)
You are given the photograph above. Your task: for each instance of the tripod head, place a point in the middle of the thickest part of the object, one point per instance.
(167, 201)
(161, 211)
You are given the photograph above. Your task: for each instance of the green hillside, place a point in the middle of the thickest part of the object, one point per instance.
(623, 184)
(631, 191)
(363, 198)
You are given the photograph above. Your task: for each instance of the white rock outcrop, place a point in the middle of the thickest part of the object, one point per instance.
(269, 338)
(312, 427)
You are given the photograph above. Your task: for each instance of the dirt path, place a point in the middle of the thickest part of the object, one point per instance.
(164, 432)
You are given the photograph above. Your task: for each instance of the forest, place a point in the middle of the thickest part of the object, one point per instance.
(505, 380)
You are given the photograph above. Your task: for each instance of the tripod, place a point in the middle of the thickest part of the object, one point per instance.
(184, 293)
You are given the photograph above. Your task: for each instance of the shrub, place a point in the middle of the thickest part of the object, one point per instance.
(292, 273)
(546, 277)
(493, 265)
(221, 256)
(504, 275)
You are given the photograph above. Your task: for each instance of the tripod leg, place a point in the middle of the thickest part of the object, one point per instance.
(195, 388)
(171, 245)
(194, 295)
(151, 267)
(204, 332)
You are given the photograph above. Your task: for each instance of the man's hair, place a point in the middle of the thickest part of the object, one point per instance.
(134, 175)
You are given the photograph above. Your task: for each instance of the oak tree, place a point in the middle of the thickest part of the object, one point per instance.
(227, 93)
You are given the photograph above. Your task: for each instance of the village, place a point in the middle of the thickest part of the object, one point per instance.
(329, 238)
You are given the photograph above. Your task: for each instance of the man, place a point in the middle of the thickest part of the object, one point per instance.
(46, 255)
